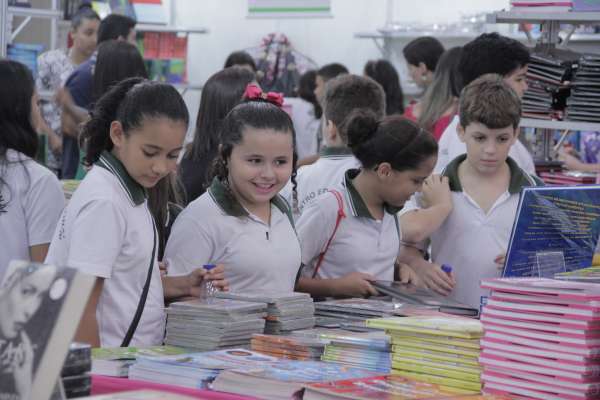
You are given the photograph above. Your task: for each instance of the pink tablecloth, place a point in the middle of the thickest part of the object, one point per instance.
(106, 385)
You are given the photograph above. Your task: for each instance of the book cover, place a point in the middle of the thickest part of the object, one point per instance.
(446, 382)
(399, 338)
(556, 230)
(578, 291)
(460, 328)
(265, 297)
(115, 361)
(40, 307)
(220, 359)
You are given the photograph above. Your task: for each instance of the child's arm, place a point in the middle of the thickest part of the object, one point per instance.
(88, 331)
(190, 285)
(431, 274)
(354, 284)
(418, 224)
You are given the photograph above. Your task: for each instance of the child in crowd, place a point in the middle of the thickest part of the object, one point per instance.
(55, 66)
(325, 74)
(343, 95)
(241, 222)
(341, 256)
(439, 104)
(133, 141)
(384, 73)
(422, 55)
(485, 184)
(241, 59)
(77, 97)
(306, 114)
(220, 94)
(31, 198)
(489, 53)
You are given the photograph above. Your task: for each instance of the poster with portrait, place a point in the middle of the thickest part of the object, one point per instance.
(40, 308)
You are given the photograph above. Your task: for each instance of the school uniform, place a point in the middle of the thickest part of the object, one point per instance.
(361, 243)
(31, 201)
(470, 239)
(450, 147)
(217, 229)
(107, 231)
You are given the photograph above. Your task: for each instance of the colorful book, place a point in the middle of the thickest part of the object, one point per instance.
(440, 326)
(115, 361)
(468, 387)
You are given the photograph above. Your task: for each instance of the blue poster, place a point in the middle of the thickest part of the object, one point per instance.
(555, 230)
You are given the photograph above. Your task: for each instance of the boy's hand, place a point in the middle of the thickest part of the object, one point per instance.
(570, 162)
(407, 275)
(355, 284)
(436, 279)
(436, 191)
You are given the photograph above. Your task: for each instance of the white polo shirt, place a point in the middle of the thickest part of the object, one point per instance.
(306, 126)
(106, 231)
(470, 239)
(361, 243)
(450, 147)
(216, 229)
(34, 200)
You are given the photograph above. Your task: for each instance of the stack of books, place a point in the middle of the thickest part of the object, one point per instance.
(440, 350)
(584, 102)
(75, 374)
(286, 312)
(115, 361)
(343, 311)
(195, 370)
(540, 6)
(213, 323)
(568, 178)
(290, 346)
(542, 338)
(366, 350)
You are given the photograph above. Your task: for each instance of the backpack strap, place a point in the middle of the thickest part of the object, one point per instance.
(340, 216)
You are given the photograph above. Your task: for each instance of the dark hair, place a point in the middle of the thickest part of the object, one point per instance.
(424, 49)
(332, 70)
(256, 114)
(164, 200)
(85, 11)
(384, 73)
(490, 101)
(393, 139)
(117, 60)
(16, 131)
(115, 26)
(491, 53)
(240, 58)
(444, 89)
(306, 91)
(129, 102)
(349, 92)
(222, 92)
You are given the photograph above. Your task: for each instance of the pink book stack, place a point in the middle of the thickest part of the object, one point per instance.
(542, 339)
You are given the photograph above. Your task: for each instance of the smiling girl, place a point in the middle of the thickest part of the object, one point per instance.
(241, 221)
(133, 140)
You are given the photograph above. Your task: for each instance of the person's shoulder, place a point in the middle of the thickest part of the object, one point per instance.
(82, 72)
(53, 56)
(202, 210)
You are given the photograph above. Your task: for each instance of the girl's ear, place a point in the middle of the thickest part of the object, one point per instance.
(116, 134)
(384, 170)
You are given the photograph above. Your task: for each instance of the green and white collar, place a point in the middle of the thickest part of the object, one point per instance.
(335, 152)
(223, 197)
(518, 178)
(136, 192)
(358, 206)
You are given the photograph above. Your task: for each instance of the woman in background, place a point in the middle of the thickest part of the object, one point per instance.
(384, 73)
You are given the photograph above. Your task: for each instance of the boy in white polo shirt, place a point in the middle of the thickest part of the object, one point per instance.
(489, 53)
(485, 185)
(342, 95)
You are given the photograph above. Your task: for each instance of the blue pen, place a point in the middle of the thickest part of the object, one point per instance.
(208, 267)
(447, 268)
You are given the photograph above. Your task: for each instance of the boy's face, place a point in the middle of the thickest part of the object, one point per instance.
(487, 149)
(517, 80)
(319, 88)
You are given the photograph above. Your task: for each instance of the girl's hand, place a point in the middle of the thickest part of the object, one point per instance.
(217, 276)
(23, 368)
(355, 284)
(163, 267)
(499, 261)
(436, 279)
(407, 275)
(436, 191)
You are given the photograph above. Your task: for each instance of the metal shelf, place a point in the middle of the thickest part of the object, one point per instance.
(34, 12)
(411, 35)
(515, 17)
(559, 125)
(168, 28)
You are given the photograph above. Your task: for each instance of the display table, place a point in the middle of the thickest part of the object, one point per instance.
(107, 385)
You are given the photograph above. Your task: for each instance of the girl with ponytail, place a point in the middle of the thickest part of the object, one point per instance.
(132, 141)
(350, 236)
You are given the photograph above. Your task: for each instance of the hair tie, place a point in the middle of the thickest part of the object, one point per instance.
(253, 92)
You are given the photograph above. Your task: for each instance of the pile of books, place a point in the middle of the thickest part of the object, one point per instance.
(344, 311)
(289, 346)
(584, 102)
(115, 361)
(568, 178)
(195, 370)
(213, 323)
(366, 350)
(286, 312)
(542, 338)
(540, 6)
(75, 373)
(440, 350)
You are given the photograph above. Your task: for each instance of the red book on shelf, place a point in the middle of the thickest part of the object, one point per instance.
(151, 40)
(180, 47)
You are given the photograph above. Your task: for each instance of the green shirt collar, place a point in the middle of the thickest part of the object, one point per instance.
(335, 152)
(518, 178)
(231, 206)
(357, 204)
(134, 190)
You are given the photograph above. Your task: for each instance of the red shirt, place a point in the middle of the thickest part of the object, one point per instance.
(438, 127)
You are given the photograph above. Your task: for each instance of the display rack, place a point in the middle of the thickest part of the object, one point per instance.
(550, 38)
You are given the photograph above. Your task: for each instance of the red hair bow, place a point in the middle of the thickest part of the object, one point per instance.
(253, 92)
